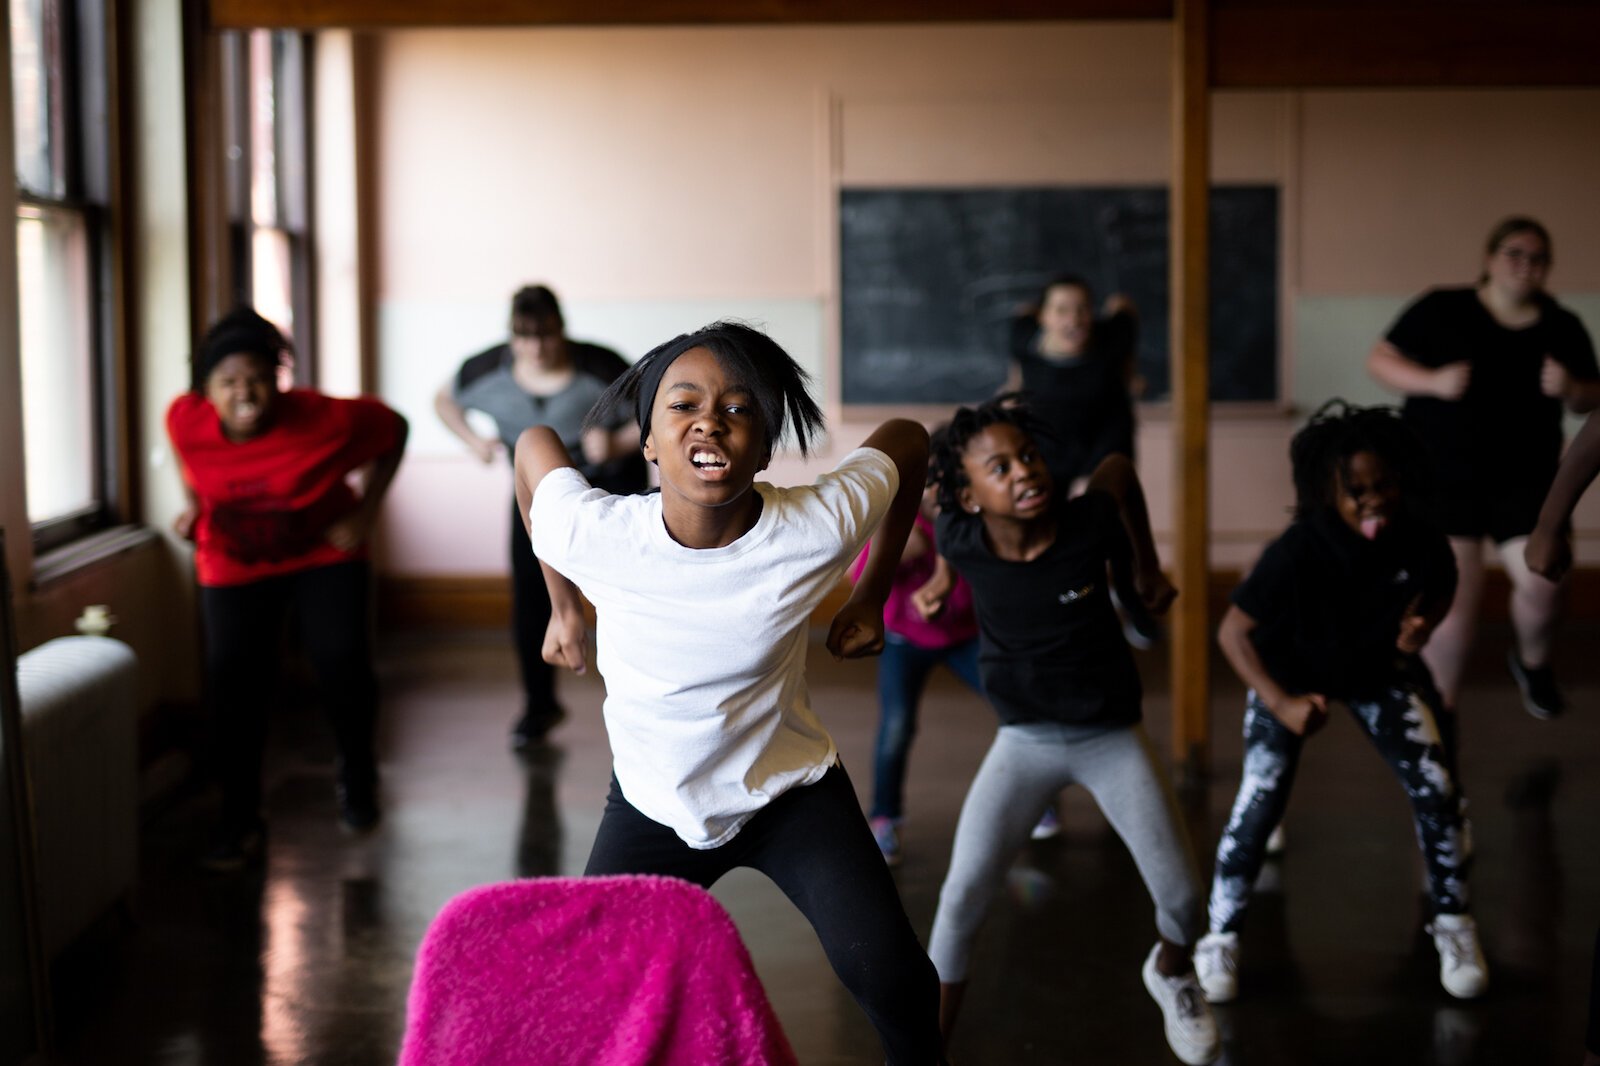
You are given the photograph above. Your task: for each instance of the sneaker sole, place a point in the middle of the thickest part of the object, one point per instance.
(1187, 1053)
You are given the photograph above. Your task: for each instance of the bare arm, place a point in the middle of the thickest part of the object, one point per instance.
(858, 627)
(351, 530)
(1300, 714)
(1393, 369)
(454, 417)
(602, 445)
(930, 599)
(1116, 477)
(917, 545)
(1577, 395)
(183, 524)
(540, 451)
(1548, 552)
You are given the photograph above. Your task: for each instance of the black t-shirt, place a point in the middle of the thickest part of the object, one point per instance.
(1050, 646)
(1328, 602)
(1503, 427)
(1083, 402)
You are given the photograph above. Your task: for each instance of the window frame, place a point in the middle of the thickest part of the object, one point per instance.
(86, 41)
(291, 57)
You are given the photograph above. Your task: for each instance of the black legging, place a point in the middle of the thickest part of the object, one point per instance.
(530, 617)
(815, 845)
(243, 630)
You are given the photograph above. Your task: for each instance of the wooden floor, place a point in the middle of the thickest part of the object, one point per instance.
(309, 960)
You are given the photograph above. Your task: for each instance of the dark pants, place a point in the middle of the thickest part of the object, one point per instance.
(243, 645)
(903, 671)
(1402, 725)
(530, 617)
(815, 846)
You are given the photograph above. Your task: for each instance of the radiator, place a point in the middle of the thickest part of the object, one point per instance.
(78, 704)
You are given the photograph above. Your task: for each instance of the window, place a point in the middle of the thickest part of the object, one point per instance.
(265, 125)
(63, 178)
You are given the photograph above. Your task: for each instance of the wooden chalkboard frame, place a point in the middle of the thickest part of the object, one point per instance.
(930, 278)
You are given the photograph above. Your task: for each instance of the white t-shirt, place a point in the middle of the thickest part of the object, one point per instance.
(703, 650)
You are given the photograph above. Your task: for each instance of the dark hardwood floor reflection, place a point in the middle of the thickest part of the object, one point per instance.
(309, 958)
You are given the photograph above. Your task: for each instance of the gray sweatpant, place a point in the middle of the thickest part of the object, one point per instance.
(1026, 767)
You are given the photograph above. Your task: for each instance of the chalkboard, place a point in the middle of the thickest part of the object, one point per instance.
(930, 279)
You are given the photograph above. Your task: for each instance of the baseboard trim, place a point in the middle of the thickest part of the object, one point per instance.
(474, 601)
(484, 601)
(447, 602)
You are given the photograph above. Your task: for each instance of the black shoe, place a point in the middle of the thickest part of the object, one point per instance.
(358, 808)
(1538, 684)
(532, 728)
(234, 849)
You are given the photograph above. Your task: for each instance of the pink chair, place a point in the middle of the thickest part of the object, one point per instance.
(602, 971)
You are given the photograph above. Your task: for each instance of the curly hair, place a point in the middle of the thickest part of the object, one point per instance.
(948, 446)
(1320, 452)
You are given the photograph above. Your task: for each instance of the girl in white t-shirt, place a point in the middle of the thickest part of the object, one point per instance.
(703, 595)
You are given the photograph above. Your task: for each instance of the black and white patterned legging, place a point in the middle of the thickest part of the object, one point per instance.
(1403, 726)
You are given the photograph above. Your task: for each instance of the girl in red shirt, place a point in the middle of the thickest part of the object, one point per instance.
(278, 528)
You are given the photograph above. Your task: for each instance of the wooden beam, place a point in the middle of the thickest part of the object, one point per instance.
(1191, 386)
(1413, 44)
(393, 14)
(210, 269)
(364, 74)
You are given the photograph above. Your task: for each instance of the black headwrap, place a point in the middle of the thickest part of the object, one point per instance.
(651, 371)
(240, 332)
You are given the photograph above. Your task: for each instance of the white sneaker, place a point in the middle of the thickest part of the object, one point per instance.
(1462, 969)
(1216, 965)
(1191, 1031)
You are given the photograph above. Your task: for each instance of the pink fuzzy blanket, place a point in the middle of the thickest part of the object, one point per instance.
(602, 971)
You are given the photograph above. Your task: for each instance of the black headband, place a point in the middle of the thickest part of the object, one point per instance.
(650, 375)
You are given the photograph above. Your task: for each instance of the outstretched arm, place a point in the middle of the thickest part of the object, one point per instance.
(1548, 551)
(1116, 477)
(539, 451)
(857, 629)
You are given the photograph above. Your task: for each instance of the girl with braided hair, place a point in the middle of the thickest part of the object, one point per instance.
(1339, 607)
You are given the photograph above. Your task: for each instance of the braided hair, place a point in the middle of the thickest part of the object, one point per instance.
(1338, 430)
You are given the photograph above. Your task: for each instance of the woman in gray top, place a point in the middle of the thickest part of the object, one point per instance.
(540, 378)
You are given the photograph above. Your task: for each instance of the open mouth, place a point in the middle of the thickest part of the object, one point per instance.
(707, 461)
(1373, 524)
(1032, 498)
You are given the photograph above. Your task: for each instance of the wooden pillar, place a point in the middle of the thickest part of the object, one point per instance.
(1191, 374)
(364, 76)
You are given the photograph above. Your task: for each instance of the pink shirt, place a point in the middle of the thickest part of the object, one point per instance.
(956, 623)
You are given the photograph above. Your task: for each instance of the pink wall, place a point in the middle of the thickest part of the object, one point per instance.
(652, 174)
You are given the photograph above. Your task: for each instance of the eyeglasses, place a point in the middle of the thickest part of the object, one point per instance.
(1517, 255)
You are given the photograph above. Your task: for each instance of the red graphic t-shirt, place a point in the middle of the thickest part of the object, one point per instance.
(266, 503)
